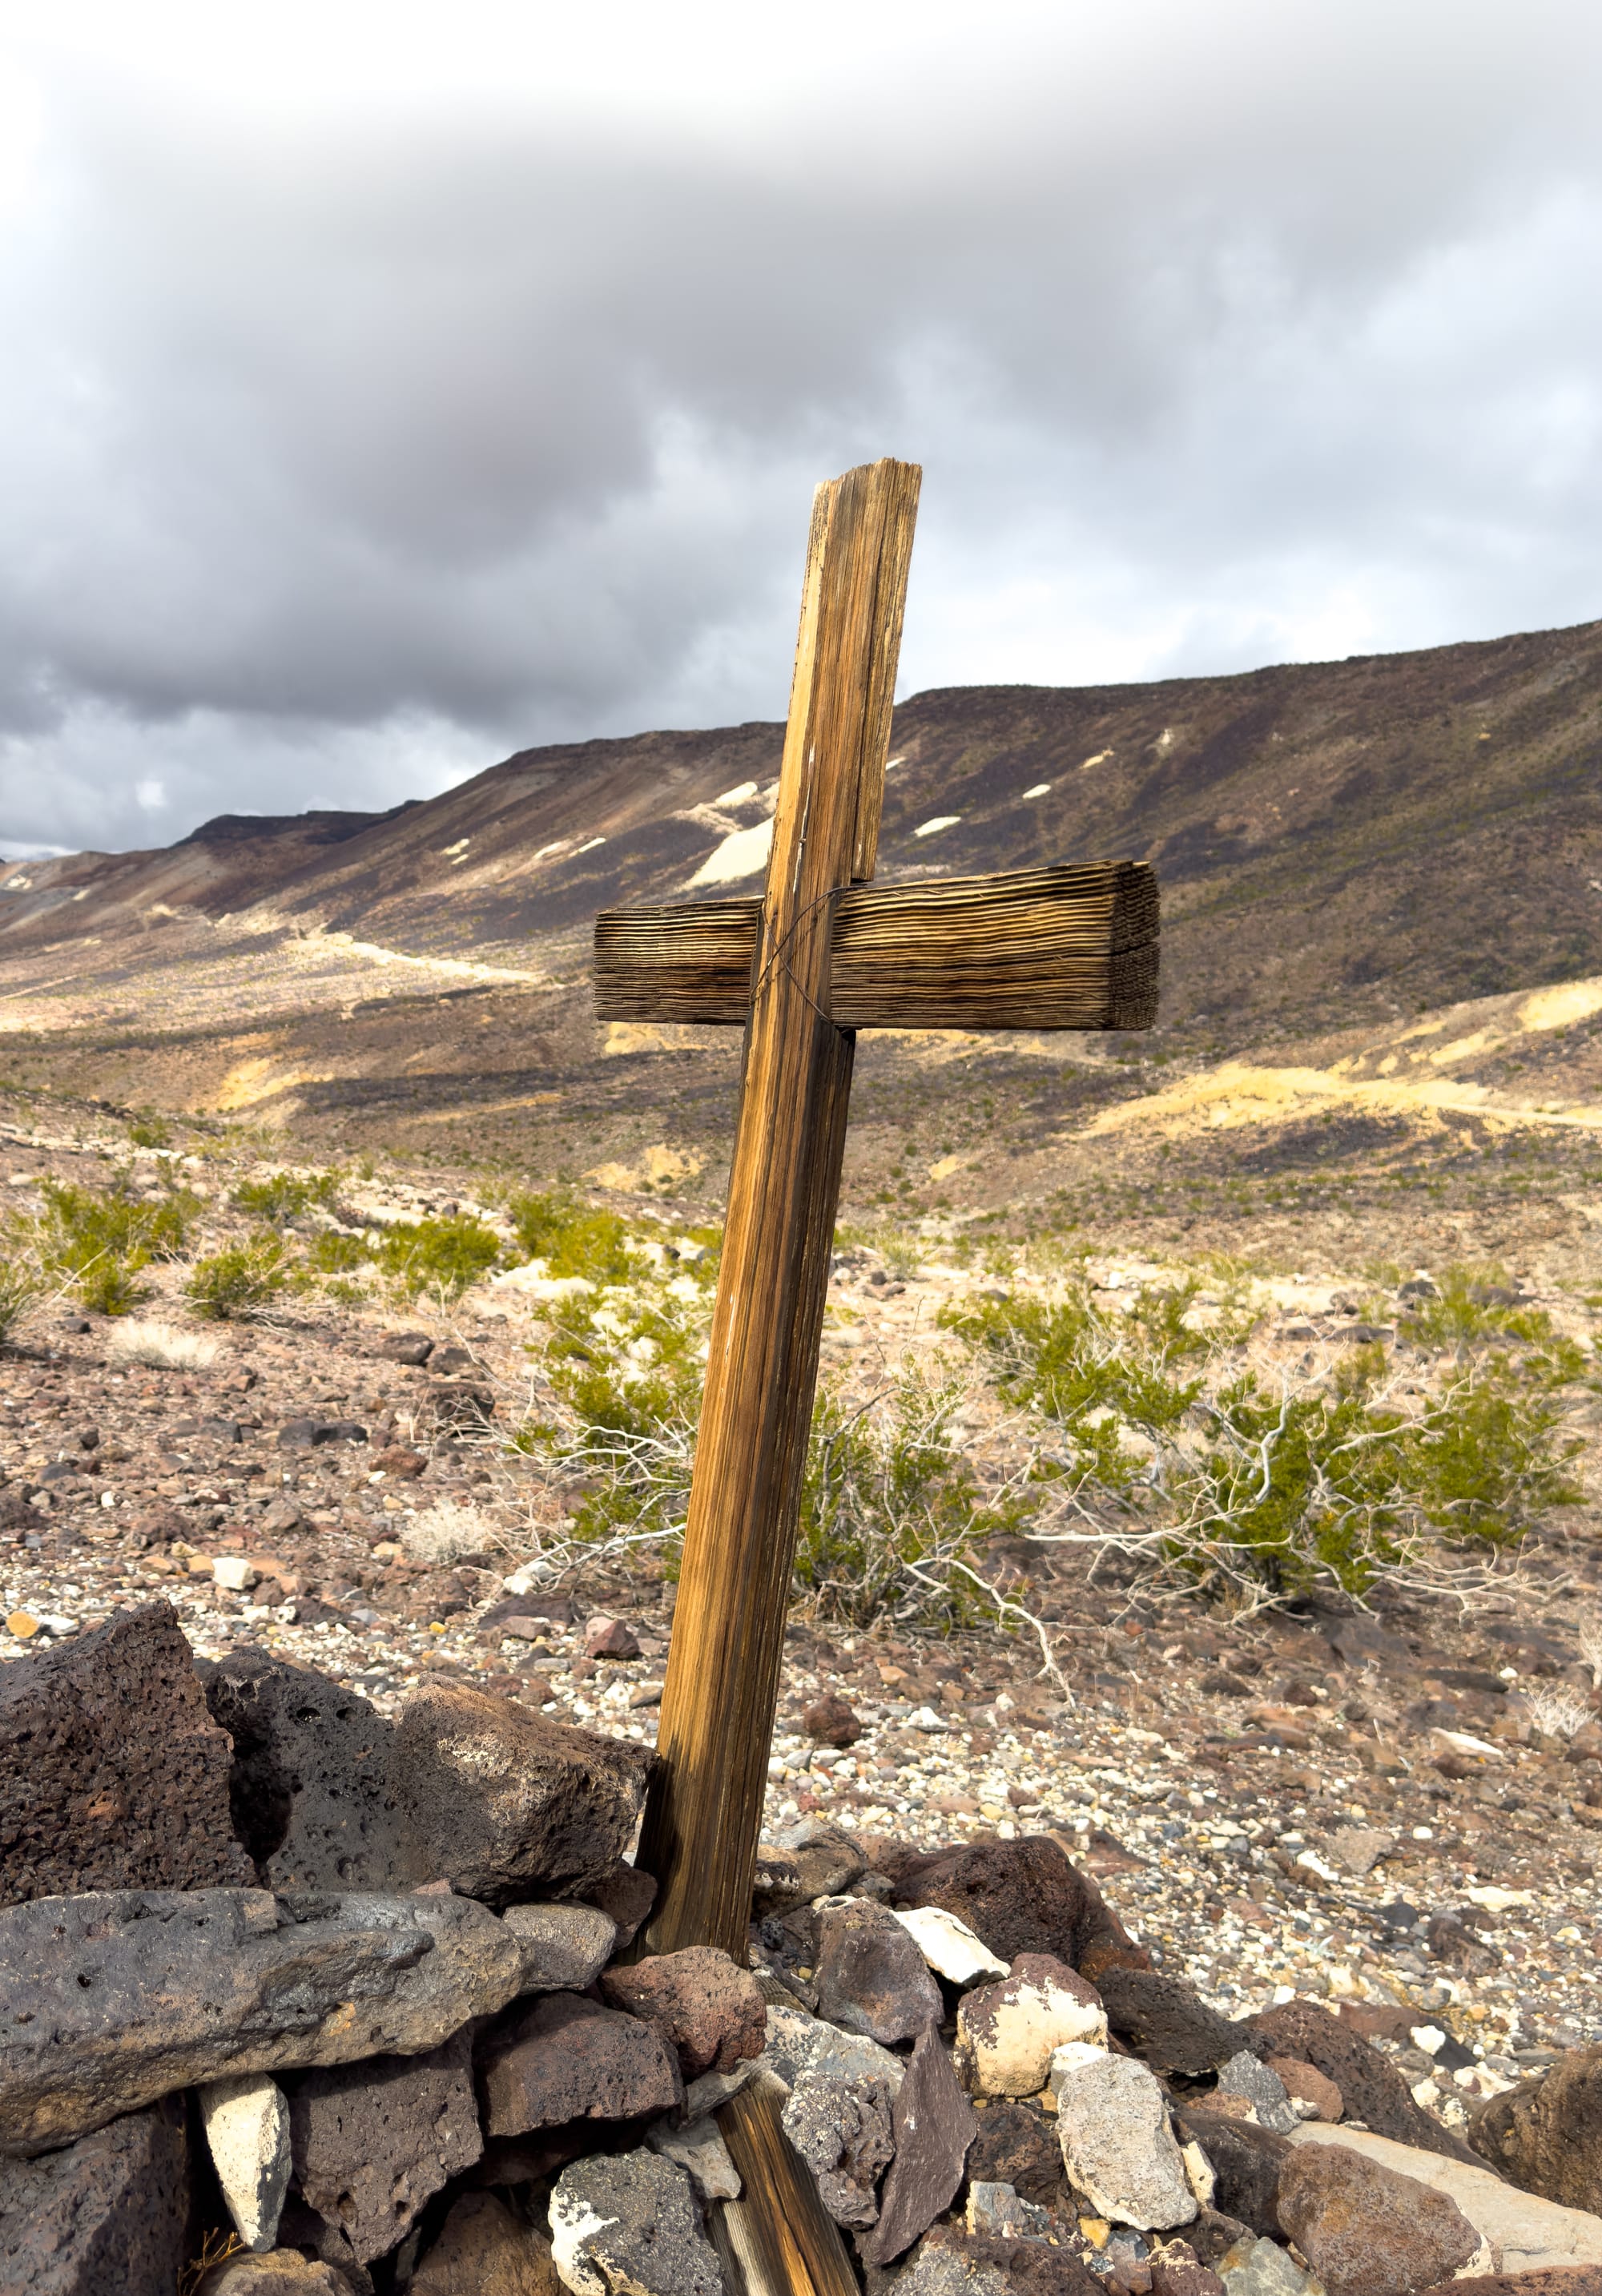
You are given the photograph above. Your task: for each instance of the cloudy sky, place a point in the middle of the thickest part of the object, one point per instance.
(383, 388)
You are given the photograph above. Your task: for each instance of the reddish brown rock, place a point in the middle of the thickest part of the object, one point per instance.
(402, 1465)
(1177, 2270)
(483, 2250)
(372, 2142)
(1365, 2230)
(1303, 2083)
(829, 1721)
(568, 2059)
(933, 2125)
(1546, 2136)
(112, 1773)
(108, 2213)
(1371, 2089)
(710, 2012)
(624, 1894)
(1016, 2144)
(1024, 1896)
(607, 1637)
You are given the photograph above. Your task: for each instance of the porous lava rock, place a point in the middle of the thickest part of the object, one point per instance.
(1371, 2089)
(1546, 2136)
(512, 1805)
(712, 2013)
(312, 1789)
(629, 2225)
(371, 2142)
(1024, 1896)
(112, 1773)
(108, 2214)
(568, 2059)
(1367, 2230)
(1016, 2144)
(953, 2262)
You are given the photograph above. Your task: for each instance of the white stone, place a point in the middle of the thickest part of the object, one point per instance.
(1522, 2233)
(235, 1573)
(699, 2149)
(1007, 2035)
(950, 1946)
(1112, 2124)
(247, 2125)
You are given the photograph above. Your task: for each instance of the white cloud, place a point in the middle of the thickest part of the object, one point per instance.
(386, 388)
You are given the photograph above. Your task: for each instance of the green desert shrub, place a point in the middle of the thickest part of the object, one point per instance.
(285, 1197)
(240, 1280)
(99, 1241)
(441, 1256)
(571, 1237)
(891, 1507)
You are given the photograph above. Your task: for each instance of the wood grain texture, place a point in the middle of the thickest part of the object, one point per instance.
(1068, 948)
(704, 1812)
(786, 2238)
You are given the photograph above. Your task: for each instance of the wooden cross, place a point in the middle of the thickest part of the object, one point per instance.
(821, 955)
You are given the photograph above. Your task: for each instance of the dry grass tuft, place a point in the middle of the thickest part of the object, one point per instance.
(161, 1346)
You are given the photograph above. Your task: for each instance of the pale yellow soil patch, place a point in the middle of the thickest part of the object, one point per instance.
(1399, 1074)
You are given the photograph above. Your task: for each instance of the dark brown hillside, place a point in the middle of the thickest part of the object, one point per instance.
(1338, 843)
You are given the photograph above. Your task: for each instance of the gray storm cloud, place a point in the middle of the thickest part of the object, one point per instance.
(339, 456)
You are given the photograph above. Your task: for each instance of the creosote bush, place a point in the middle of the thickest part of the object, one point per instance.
(441, 1256)
(285, 1197)
(241, 1280)
(1154, 1441)
(160, 1346)
(99, 1241)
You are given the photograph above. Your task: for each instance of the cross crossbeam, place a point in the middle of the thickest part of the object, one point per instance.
(1069, 947)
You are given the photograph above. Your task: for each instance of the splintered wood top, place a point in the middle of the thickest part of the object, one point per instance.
(1075, 947)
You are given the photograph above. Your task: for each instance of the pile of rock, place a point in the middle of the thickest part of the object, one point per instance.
(341, 2002)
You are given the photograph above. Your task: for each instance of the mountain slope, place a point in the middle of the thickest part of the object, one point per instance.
(1338, 843)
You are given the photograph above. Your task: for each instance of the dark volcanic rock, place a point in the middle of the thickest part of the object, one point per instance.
(933, 2124)
(568, 2059)
(712, 2013)
(1024, 1896)
(314, 1801)
(1365, 2230)
(624, 1894)
(405, 1347)
(1016, 2144)
(871, 1976)
(953, 2262)
(1245, 2161)
(372, 2142)
(112, 1775)
(115, 2000)
(1547, 2137)
(511, 1805)
(484, 2251)
(1371, 2089)
(107, 2216)
(1166, 2022)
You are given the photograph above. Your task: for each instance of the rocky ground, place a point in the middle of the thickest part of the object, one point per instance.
(1400, 1810)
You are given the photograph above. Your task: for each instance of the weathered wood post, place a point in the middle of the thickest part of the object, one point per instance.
(1068, 947)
